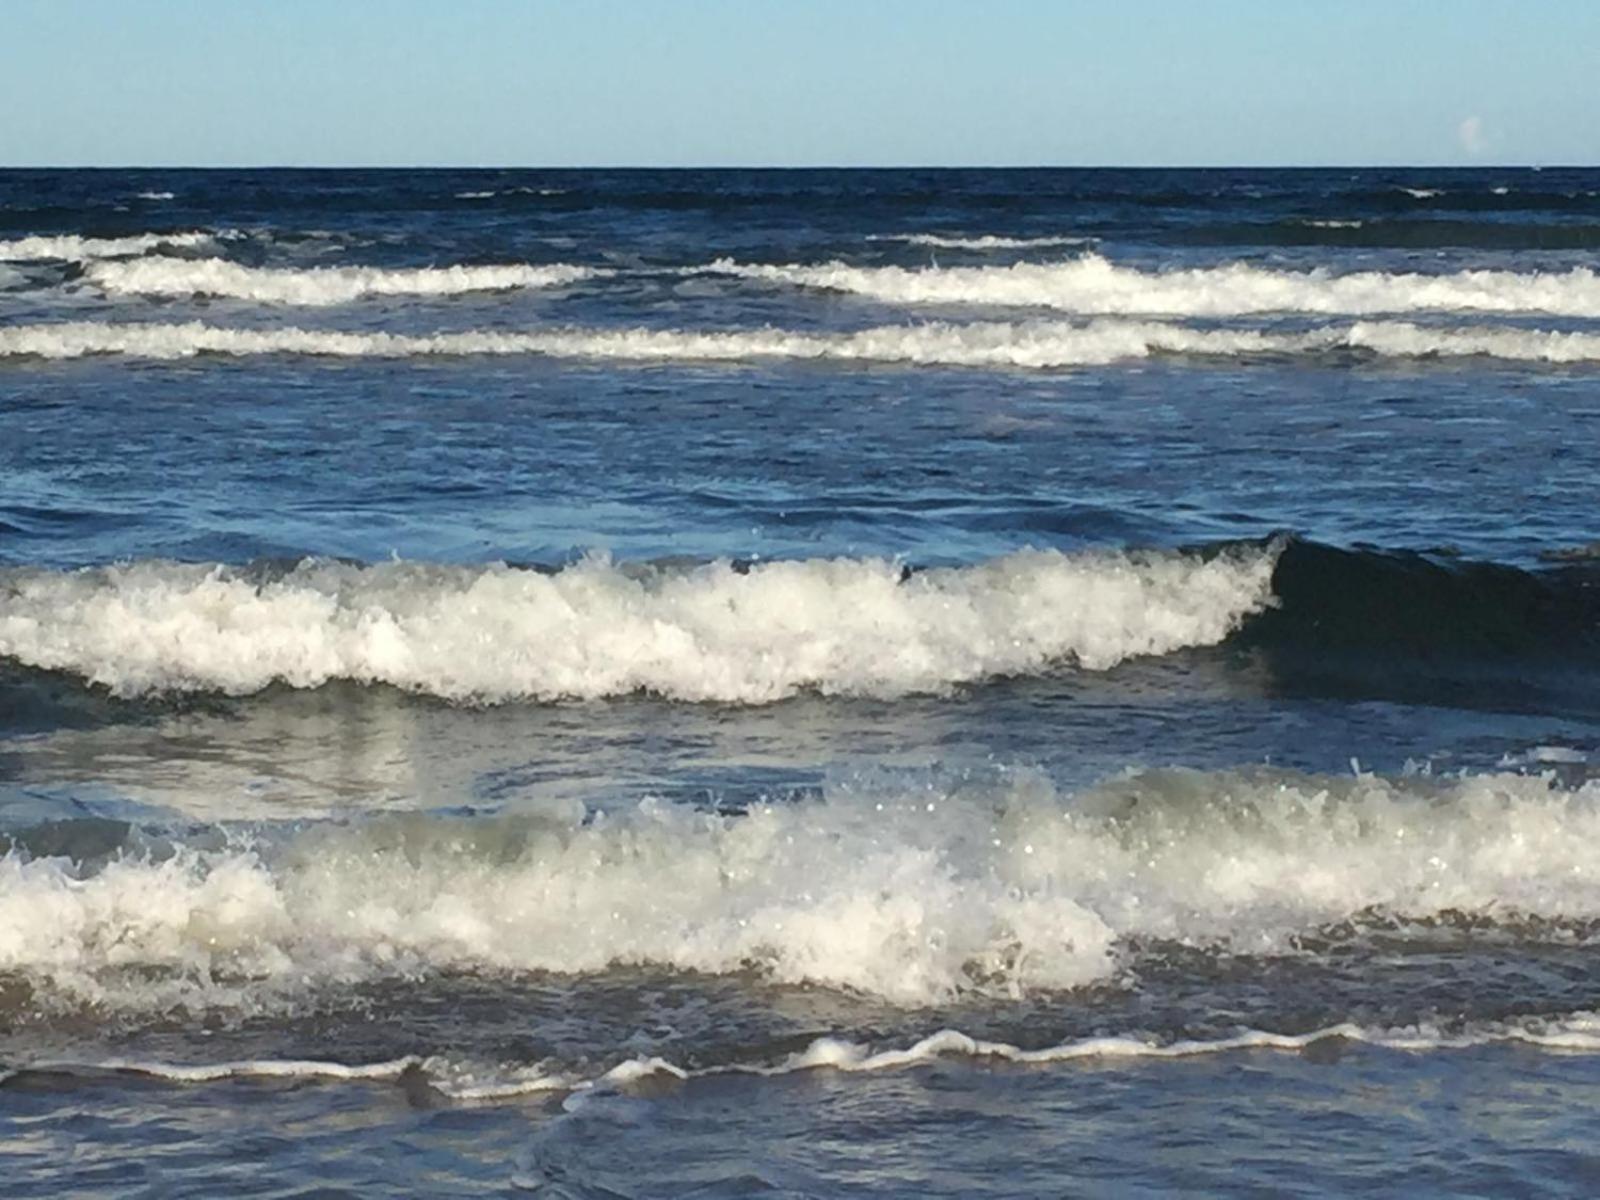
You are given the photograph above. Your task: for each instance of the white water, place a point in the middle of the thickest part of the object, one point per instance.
(987, 241)
(79, 249)
(839, 626)
(1577, 1032)
(1036, 345)
(1092, 284)
(316, 286)
(912, 893)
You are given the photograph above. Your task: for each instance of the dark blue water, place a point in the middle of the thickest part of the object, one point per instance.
(903, 683)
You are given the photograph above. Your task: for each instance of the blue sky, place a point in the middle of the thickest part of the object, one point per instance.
(845, 82)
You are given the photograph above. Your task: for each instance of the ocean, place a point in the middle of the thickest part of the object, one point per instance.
(904, 683)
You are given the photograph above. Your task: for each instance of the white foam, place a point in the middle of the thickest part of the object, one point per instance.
(265, 1068)
(912, 893)
(1402, 339)
(1093, 285)
(155, 195)
(1027, 345)
(840, 626)
(1422, 193)
(985, 344)
(514, 191)
(73, 248)
(988, 241)
(1577, 1032)
(1334, 224)
(317, 285)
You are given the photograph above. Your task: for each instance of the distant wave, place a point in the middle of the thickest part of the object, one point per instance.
(1040, 344)
(317, 285)
(711, 633)
(912, 893)
(154, 196)
(1092, 284)
(74, 248)
(489, 194)
(986, 241)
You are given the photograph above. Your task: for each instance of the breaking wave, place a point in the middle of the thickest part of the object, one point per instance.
(74, 248)
(754, 635)
(1092, 284)
(317, 285)
(916, 894)
(1337, 603)
(1041, 345)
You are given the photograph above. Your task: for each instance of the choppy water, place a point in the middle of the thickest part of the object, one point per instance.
(906, 683)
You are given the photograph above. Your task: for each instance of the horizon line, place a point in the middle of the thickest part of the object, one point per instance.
(327, 166)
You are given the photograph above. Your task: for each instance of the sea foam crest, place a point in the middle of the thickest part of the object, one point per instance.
(74, 248)
(1038, 345)
(318, 285)
(983, 241)
(1093, 284)
(1041, 344)
(914, 893)
(712, 633)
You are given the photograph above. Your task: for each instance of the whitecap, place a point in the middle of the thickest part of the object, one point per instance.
(1093, 285)
(318, 285)
(713, 633)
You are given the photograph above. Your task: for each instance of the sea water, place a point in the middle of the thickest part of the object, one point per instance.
(799, 683)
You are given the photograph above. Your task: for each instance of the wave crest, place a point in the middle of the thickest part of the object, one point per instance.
(1025, 345)
(713, 633)
(317, 286)
(1092, 284)
(914, 893)
(74, 248)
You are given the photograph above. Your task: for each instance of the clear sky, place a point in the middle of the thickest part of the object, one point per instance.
(798, 82)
